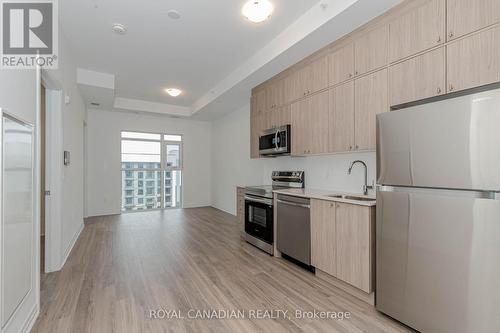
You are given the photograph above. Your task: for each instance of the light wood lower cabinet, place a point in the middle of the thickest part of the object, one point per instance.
(323, 239)
(417, 78)
(240, 208)
(370, 99)
(354, 240)
(474, 61)
(342, 242)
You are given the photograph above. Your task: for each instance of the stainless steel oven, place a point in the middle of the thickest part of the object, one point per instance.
(275, 141)
(259, 222)
(259, 216)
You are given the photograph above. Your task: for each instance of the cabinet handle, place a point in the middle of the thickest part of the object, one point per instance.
(356, 73)
(451, 34)
(439, 39)
(438, 90)
(331, 205)
(451, 87)
(357, 147)
(350, 147)
(350, 75)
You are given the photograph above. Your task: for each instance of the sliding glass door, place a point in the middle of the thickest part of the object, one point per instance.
(151, 171)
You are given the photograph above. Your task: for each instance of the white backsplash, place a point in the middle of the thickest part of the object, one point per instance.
(326, 172)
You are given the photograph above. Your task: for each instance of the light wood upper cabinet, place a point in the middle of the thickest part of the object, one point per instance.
(293, 86)
(319, 114)
(354, 245)
(417, 30)
(417, 78)
(370, 50)
(341, 118)
(341, 64)
(259, 102)
(370, 100)
(257, 125)
(316, 75)
(466, 16)
(275, 95)
(278, 117)
(301, 127)
(474, 61)
(310, 125)
(307, 80)
(323, 246)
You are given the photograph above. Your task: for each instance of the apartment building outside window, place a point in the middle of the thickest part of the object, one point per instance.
(151, 171)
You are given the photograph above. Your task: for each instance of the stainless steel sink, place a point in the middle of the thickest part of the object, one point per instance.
(350, 197)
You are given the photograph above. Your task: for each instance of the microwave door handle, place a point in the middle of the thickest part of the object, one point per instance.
(276, 140)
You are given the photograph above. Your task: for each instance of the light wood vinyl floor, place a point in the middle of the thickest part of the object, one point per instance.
(123, 266)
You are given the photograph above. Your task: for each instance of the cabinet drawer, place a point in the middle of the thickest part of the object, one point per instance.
(474, 61)
(417, 78)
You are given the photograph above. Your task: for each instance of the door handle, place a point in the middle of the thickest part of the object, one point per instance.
(293, 204)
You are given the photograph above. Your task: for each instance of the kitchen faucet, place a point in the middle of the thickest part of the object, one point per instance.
(365, 186)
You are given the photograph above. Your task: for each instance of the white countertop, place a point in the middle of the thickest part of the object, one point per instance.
(323, 195)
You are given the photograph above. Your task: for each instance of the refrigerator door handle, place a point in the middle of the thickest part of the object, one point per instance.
(443, 192)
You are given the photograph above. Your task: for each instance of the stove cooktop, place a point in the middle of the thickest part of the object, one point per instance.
(265, 191)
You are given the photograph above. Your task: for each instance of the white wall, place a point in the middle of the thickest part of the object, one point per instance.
(231, 164)
(104, 175)
(73, 116)
(70, 198)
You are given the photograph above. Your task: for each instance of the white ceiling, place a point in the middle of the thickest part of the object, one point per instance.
(193, 53)
(212, 53)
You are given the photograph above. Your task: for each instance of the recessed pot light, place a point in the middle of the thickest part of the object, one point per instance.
(257, 10)
(174, 92)
(119, 29)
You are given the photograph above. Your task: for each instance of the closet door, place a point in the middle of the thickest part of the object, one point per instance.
(17, 220)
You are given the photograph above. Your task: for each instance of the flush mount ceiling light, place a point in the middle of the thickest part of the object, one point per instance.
(174, 92)
(119, 29)
(257, 10)
(173, 14)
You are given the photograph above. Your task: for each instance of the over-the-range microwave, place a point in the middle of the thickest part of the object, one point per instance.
(275, 141)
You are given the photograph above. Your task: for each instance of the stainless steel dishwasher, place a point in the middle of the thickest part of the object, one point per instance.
(294, 228)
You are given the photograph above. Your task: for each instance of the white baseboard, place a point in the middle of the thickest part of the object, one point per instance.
(71, 245)
(30, 321)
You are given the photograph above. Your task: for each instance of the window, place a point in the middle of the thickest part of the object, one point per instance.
(153, 160)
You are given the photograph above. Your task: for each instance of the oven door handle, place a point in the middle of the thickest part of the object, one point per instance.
(263, 201)
(293, 204)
